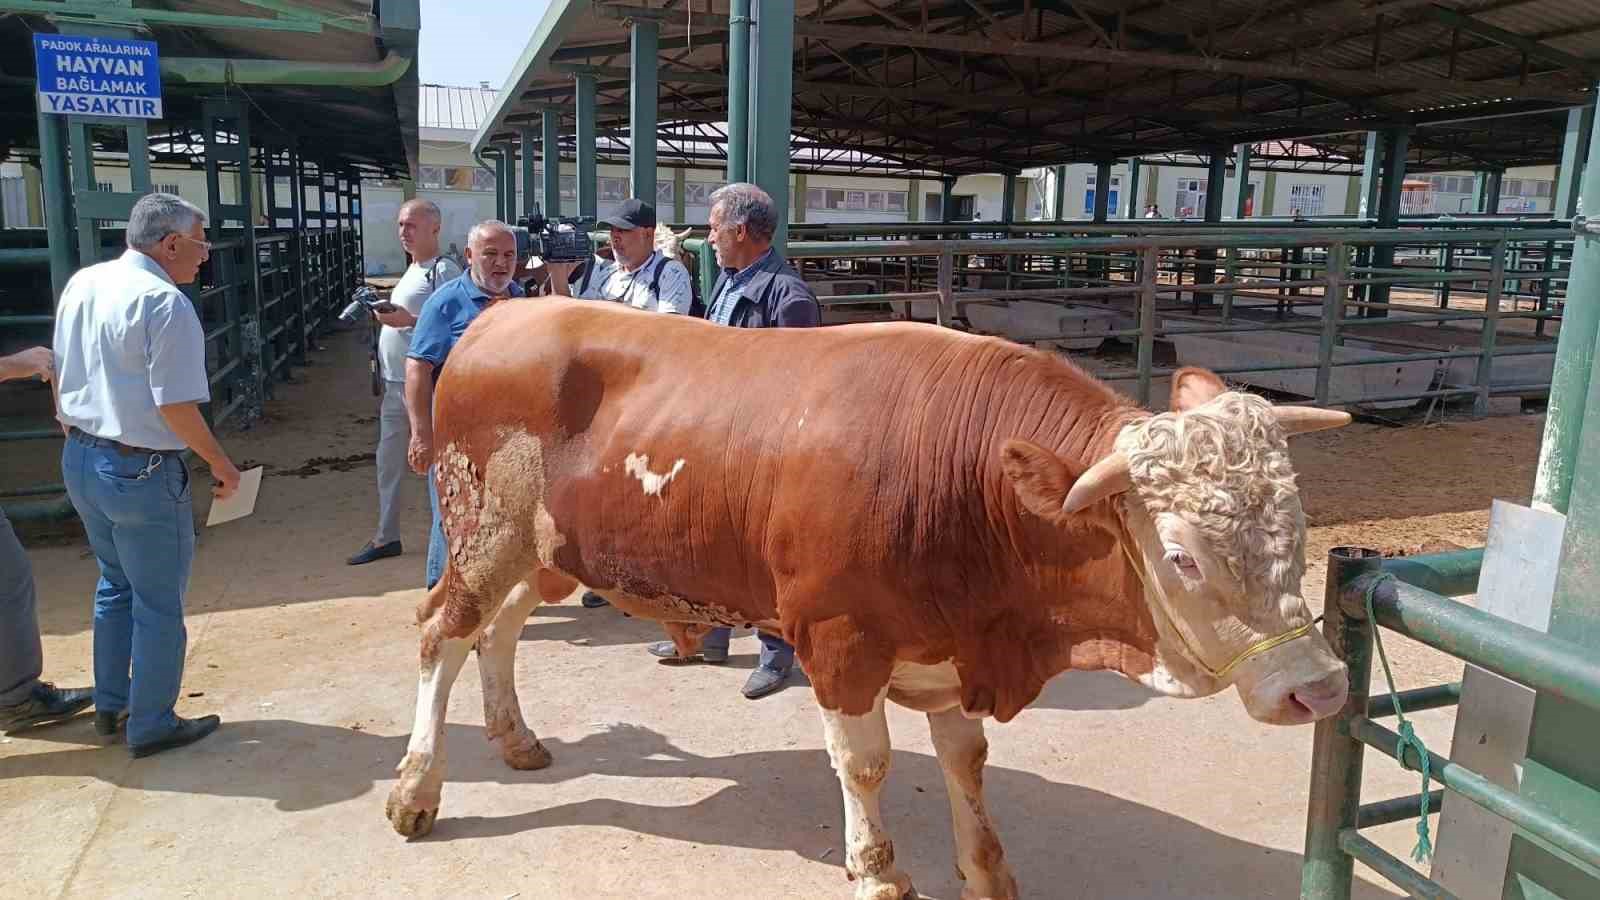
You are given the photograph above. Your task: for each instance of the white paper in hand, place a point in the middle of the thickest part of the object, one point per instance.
(241, 504)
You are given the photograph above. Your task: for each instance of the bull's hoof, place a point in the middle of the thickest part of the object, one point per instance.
(408, 822)
(886, 891)
(526, 755)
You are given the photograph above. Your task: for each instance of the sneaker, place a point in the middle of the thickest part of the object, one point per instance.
(667, 651)
(591, 600)
(46, 703)
(374, 551)
(764, 680)
(187, 732)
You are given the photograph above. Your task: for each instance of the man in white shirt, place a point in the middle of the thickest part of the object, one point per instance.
(131, 375)
(640, 276)
(419, 222)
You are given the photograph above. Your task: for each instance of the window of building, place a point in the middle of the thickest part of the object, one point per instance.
(666, 193)
(872, 201)
(1306, 199)
(1089, 192)
(1190, 201)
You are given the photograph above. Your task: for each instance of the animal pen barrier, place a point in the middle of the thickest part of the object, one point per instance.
(1453, 323)
(263, 298)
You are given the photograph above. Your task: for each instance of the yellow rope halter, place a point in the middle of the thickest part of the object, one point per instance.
(1260, 646)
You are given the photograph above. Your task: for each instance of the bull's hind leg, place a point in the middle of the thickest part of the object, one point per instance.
(497, 653)
(859, 748)
(414, 802)
(981, 862)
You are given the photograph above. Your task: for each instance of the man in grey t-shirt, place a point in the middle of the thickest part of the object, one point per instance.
(419, 234)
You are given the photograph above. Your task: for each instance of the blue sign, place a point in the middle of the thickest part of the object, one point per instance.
(97, 76)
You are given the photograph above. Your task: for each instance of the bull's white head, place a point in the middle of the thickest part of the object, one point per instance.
(670, 242)
(1210, 516)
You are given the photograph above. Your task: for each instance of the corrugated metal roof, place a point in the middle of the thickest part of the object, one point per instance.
(1008, 84)
(448, 106)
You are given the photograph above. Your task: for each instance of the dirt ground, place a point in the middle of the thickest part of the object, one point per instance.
(666, 782)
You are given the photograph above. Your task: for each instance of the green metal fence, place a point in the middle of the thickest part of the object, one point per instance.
(1412, 597)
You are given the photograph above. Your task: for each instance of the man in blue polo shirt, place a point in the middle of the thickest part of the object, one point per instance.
(491, 263)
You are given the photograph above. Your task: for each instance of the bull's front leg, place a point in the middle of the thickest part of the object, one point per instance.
(980, 860)
(502, 713)
(414, 802)
(859, 748)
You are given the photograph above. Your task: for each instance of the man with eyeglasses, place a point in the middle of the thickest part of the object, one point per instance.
(131, 375)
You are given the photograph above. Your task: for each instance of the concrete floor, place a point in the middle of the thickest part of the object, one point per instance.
(666, 782)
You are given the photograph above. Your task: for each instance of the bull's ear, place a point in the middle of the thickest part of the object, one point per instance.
(1039, 477)
(1192, 387)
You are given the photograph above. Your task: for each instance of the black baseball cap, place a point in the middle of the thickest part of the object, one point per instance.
(632, 213)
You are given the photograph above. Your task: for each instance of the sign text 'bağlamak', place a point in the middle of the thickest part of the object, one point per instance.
(97, 76)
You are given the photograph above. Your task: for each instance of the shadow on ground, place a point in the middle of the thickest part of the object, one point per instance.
(1081, 841)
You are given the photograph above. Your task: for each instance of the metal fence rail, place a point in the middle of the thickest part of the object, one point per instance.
(1183, 283)
(1402, 604)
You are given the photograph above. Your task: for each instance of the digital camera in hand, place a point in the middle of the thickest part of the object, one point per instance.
(366, 300)
(554, 240)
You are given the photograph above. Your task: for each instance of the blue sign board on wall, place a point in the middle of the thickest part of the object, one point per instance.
(98, 76)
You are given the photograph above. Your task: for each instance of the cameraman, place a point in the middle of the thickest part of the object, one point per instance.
(641, 277)
(419, 222)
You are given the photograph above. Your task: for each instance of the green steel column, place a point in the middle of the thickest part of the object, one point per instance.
(1574, 150)
(642, 89)
(1152, 194)
(1396, 144)
(1562, 769)
(504, 187)
(1061, 193)
(680, 187)
(1008, 199)
(1480, 190)
(1575, 354)
(1269, 185)
(1368, 204)
(739, 92)
(947, 187)
(57, 198)
(1241, 178)
(800, 197)
(1130, 194)
(550, 147)
(1216, 181)
(529, 199)
(913, 201)
(772, 71)
(1496, 180)
(1102, 191)
(509, 153)
(33, 181)
(1336, 757)
(588, 148)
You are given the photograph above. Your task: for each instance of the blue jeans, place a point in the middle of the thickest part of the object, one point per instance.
(139, 515)
(436, 544)
(776, 654)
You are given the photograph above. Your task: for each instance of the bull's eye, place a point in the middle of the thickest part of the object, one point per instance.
(1183, 562)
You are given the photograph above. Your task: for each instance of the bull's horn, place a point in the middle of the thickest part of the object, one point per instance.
(685, 232)
(1107, 477)
(1301, 419)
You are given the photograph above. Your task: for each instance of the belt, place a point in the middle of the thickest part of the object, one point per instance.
(90, 440)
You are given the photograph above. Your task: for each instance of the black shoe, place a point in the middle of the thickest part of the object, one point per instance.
(591, 600)
(107, 724)
(373, 552)
(187, 732)
(45, 704)
(764, 680)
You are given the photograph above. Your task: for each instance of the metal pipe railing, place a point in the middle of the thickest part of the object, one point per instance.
(1532, 658)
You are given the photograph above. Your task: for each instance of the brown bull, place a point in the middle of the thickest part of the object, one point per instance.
(929, 517)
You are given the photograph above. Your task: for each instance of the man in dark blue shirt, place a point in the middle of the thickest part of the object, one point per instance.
(491, 263)
(755, 289)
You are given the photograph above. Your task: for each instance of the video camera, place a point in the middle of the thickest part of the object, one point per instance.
(365, 298)
(560, 240)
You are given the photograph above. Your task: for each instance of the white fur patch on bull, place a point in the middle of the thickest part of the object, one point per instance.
(638, 465)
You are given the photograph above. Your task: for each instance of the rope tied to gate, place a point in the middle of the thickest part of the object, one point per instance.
(1408, 735)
